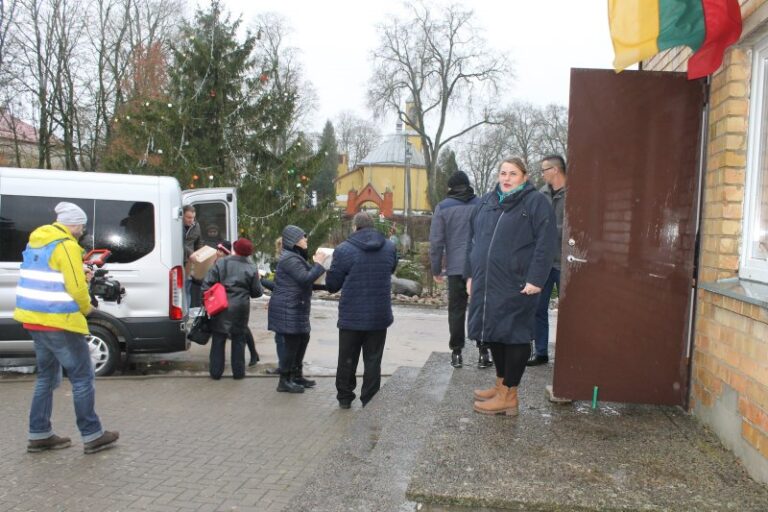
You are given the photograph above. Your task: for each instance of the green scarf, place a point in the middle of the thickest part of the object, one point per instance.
(504, 195)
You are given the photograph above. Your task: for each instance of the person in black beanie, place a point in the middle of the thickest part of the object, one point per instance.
(448, 244)
(289, 306)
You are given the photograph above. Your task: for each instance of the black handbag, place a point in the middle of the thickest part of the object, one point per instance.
(200, 331)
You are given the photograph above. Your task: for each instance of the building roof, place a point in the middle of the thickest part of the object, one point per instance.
(392, 152)
(24, 132)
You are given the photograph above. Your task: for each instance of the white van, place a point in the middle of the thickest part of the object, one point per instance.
(139, 219)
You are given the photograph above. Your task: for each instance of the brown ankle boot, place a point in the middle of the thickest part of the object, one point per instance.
(505, 402)
(481, 395)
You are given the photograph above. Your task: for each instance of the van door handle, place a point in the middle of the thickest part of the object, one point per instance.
(571, 258)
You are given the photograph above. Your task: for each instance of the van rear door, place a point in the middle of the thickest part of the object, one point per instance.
(216, 212)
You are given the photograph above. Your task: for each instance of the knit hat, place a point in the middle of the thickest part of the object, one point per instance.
(225, 246)
(458, 179)
(70, 214)
(243, 247)
(291, 235)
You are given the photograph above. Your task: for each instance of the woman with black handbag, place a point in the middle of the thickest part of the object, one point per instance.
(241, 280)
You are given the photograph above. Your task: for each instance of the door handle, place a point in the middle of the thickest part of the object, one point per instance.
(572, 259)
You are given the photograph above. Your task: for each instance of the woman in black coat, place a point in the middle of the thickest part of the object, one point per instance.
(289, 306)
(512, 240)
(240, 278)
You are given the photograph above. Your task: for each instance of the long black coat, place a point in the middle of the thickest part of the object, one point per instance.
(510, 244)
(291, 299)
(240, 277)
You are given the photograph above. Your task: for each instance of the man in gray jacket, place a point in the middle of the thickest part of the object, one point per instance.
(553, 172)
(448, 241)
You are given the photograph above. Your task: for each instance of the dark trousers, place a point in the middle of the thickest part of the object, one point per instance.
(350, 344)
(457, 311)
(295, 348)
(251, 344)
(510, 361)
(542, 313)
(237, 356)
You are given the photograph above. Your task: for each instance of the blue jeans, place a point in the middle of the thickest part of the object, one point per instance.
(542, 312)
(54, 350)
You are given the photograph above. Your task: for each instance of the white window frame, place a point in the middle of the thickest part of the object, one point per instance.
(750, 268)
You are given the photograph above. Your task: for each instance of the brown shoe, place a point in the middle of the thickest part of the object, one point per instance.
(106, 441)
(51, 443)
(505, 402)
(481, 395)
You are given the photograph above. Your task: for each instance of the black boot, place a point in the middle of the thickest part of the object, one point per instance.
(456, 360)
(484, 361)
(298, 378)
(286, 385)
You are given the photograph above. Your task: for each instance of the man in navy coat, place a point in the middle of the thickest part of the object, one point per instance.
(362, 269)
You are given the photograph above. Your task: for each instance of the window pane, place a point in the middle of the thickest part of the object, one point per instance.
(20, 215)
(212, 218)
(127, 228)
(758, 238)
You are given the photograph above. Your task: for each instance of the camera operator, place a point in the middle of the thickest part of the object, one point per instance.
(52, 301)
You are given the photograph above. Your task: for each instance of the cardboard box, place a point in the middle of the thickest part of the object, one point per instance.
(201, 261)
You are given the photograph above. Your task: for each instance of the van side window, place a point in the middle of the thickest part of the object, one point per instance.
(126, 228)
(20, 215)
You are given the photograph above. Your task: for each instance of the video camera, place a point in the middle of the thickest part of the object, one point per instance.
(101, 286)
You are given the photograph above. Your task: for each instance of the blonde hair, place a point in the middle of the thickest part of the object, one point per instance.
(278, 246)
(516, 161)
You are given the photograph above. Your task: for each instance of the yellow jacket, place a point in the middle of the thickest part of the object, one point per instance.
(66, 258)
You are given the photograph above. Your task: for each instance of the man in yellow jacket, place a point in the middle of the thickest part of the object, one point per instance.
(52, 301)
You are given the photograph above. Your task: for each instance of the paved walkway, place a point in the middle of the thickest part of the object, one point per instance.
(187, 444)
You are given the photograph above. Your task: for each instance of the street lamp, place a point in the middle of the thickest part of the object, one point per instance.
(407, 199)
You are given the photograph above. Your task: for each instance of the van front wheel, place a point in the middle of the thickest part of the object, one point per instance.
(105, 350)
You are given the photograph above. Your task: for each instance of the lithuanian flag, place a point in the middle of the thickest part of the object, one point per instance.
(642, 28)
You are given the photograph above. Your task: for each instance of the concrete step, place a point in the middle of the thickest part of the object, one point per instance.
(371, 467)
(552, 457)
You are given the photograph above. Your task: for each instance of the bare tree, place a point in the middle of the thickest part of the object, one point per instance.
(355, 136)
(553, 133)
(284, 72)
(522, 123)
(482, 154)
(435, 61)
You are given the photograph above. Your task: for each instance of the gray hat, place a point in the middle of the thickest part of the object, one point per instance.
(291, 235)
(70, 214)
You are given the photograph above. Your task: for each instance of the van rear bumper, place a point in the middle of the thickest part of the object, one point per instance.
(156, 334)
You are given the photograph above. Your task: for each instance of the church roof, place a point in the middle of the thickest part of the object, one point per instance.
(392, 152)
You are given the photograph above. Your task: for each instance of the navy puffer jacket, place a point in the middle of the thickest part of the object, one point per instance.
(362, 269)
(510, 244)
(291, 299)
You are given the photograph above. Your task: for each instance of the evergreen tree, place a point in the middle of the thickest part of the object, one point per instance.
(323, 183)
(446, 165)
(214, 86)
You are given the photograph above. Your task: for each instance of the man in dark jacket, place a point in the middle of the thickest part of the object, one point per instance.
(553, 171)
(192, 242)
(362, 269)
(448, 243)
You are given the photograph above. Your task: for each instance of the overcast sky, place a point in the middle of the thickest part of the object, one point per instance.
(542, 38)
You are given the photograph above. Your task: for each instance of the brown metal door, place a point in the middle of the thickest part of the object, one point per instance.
(630, 215)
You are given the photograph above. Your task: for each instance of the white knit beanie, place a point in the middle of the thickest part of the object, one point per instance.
(70, 214)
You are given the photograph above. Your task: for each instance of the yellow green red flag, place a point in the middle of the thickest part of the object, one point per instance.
(642, 28)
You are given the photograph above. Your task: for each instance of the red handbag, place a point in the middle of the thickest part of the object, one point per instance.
(215, 298)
